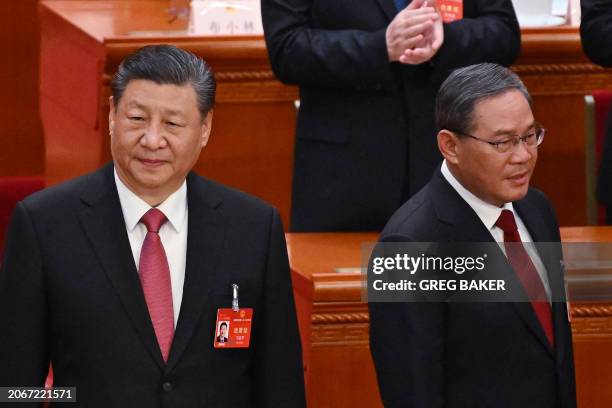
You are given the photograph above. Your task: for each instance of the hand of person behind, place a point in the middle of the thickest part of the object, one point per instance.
(434, 39)
(412, 29)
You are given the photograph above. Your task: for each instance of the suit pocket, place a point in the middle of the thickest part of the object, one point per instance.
(323, 127)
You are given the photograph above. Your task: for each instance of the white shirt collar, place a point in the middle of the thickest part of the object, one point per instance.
(488, 213)
(174, 207)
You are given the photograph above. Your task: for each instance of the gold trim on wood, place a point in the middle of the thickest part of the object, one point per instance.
(338, 318)
(563, 79)
(591, 311)
(581, 68)
(242, 87)
(231, 76)
(244, 75)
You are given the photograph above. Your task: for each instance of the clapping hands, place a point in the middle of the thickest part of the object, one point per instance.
(416, 33)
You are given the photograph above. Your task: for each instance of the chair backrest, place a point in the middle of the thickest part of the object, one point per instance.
(603, 102)
(12, 190)
(597, 109)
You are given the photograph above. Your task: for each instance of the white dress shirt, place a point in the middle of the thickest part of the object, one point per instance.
(173, 233)
(489, 213)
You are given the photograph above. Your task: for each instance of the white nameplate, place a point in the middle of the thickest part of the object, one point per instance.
(230, 17)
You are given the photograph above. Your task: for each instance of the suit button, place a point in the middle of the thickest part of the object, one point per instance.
(167, 386)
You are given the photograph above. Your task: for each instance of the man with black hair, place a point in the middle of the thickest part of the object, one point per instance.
(222, 337)
(116, 277)
(471, 353)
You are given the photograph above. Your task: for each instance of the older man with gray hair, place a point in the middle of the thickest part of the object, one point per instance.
(121, 277)
(475, 354)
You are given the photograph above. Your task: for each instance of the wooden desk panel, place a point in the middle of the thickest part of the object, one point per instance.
(334, 322)
(592, 333)
(558, 75)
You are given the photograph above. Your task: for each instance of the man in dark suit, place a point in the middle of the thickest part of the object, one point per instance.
(480, 354)
(596, 35)
(368, 75)
(222, 337)
(116, 277)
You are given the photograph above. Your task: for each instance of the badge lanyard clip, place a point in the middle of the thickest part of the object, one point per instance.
(235, 306)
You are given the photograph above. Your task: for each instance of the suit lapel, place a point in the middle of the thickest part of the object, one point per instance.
(462, 221)
(465, 226)
(542, 239)
(533, 220)
(103, 224)
(526, 312)
(205, 237)
(540, 233)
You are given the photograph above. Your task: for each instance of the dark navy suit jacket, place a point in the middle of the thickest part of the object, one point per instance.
(70, 294)
(365, 128)
(471, 355)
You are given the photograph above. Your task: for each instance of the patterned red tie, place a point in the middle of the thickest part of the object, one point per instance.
(526, 272)
(155, 280)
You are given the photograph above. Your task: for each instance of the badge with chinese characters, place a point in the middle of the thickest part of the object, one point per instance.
(450, 10)
(233, 326)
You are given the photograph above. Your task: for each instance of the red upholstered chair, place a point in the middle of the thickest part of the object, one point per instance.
(597, 107)
(12, 190)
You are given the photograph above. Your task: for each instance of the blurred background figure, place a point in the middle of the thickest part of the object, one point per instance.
(368, 73)
(596, 36)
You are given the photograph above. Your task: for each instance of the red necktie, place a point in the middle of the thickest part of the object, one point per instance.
(155, 280)
(526, 272)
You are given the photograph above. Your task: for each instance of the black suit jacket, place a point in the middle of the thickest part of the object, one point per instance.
(596, 30)
(471, 355)
(596, 35)
(365, 127)
(70, 294)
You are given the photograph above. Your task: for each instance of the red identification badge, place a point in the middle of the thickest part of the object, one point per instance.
(450, 10)
(233, 328)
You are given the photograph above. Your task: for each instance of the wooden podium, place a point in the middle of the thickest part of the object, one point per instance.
(334, 322)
